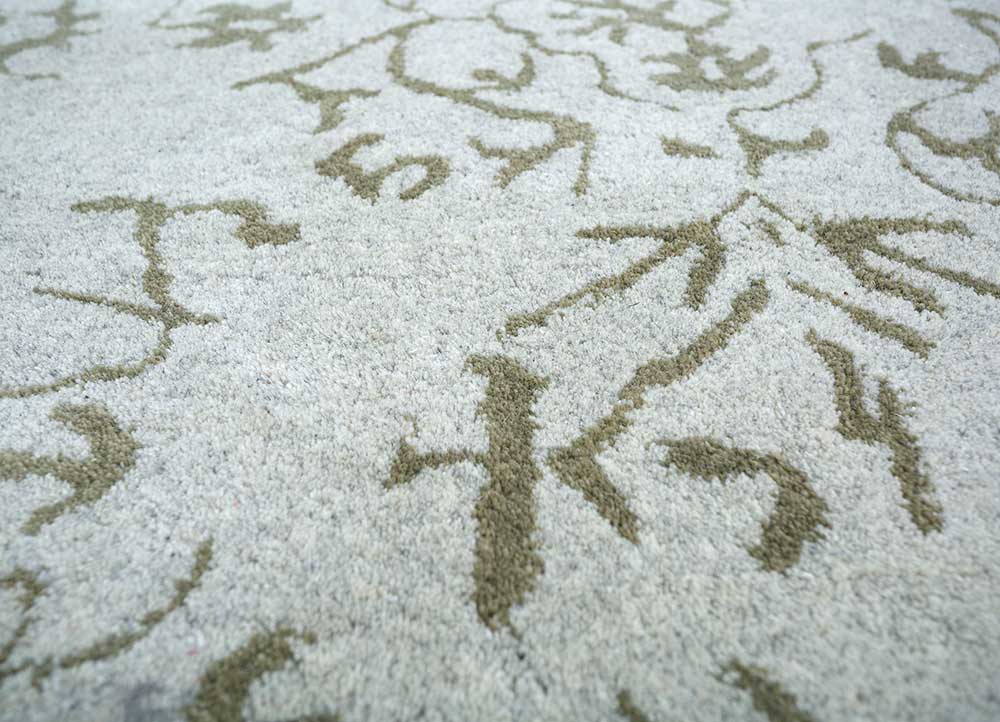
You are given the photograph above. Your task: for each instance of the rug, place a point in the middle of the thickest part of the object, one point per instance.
(500, 360)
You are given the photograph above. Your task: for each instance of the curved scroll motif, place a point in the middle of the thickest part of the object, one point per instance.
(235, 23)
(497, 93)
(847, 241)
(982, 150)
(506, 561)
(66, 20)
(768, 697)
(566, 131)
(758, 148)
(619, 17)
(112, 454)
(798, 514)
(31, 590)
(576, 465)
(368, 185)
(254, 230)
(888, 429)
(103, 649)
(224, 688)
(690, 66)
(508, 556)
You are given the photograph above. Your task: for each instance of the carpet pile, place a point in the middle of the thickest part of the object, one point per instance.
(500, 360)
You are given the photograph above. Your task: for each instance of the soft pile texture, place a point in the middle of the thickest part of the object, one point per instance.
(475, 360)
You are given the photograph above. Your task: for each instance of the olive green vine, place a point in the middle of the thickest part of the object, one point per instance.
(254, 230)
(66, 19)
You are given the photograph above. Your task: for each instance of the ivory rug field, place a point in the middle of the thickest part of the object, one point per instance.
(508, 360)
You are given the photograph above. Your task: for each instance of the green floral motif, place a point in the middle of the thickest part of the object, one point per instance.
(236, 23)
(112, 455)
(66, 19)
(982, 150)
(368, 185)
(106, 648)
(254, 230)
(224, 688)
(507, 562)
(798, 512)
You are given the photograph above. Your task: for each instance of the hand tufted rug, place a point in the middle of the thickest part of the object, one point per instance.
(500, 360)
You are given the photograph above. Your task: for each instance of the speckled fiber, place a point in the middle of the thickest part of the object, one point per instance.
(527, 361)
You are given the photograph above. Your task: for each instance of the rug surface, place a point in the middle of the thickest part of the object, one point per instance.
(517, 360)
